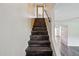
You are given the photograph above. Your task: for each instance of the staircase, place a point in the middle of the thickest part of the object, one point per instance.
(39, 44)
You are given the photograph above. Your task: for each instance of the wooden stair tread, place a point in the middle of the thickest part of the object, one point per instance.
(40, 41)
(39, 49)
(39, 32)
(39, 37)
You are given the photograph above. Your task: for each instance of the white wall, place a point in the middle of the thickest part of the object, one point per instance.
(50, 25)
(68, 14)
(51, 28)
(15, 29)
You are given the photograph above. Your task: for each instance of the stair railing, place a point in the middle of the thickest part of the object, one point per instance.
(47, 15)
(50, 21)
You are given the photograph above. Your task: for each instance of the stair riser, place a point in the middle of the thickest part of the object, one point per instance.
(39, 23)
(39, 37)
(39, 29)
(39, 33)
(39, 53)
(39, 45)
(39, 26)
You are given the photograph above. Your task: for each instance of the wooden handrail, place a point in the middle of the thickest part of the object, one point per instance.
(47, 15)
(50, 21)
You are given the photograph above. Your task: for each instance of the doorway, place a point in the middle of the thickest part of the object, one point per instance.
(40, 11)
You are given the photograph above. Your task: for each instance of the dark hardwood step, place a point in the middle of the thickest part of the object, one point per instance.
(39, 25)
(39, 22)
(39, 43)
(39, 51)
(39, 32)
(39, 37)
(39, 18)
(39, 29)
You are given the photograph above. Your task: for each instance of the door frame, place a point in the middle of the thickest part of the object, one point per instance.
(42, 10)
